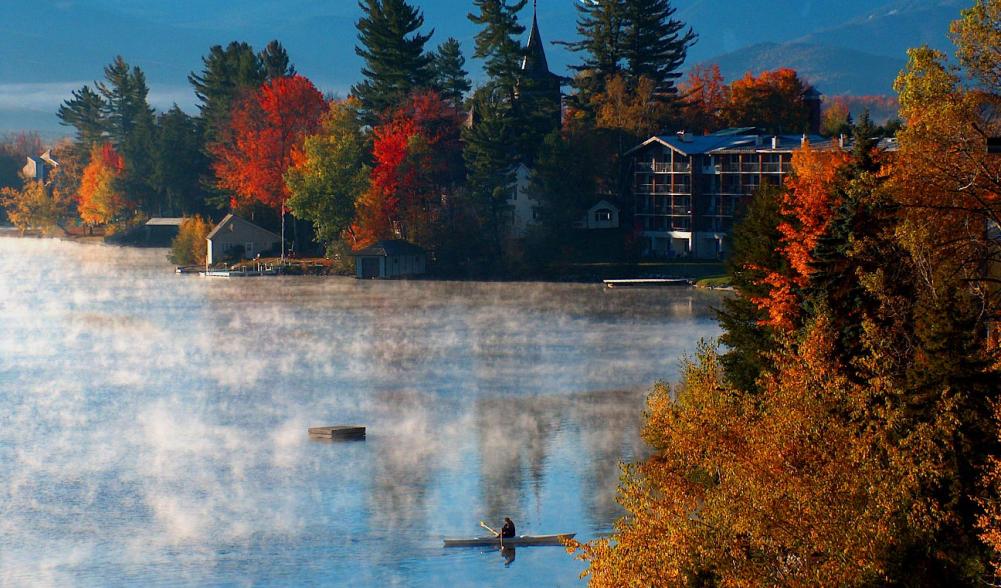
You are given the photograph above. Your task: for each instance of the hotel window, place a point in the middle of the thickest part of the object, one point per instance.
(603, 215)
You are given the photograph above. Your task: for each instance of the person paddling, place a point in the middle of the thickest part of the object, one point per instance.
(508, 529)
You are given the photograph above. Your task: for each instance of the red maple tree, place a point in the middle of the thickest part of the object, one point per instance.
(265, 129)
(418, 158)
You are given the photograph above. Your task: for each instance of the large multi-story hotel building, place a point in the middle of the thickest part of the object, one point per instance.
(688, 188)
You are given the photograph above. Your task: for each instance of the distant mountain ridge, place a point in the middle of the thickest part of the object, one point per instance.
(844, 46)
(832, 70)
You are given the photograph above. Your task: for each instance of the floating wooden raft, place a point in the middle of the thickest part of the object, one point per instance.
(338, 432)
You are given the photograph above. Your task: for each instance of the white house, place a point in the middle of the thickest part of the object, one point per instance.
(38, 168)
(236, 237)
(603, 215)
(524, 208)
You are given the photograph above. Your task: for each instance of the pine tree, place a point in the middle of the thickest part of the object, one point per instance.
(226, 75)
(85, 112)
(491, 158)
(599, 27)
(132, 130)
(450, 79)
(275, 61)
(653, 43)
(497, 42)
(124, 94)
(393, 50)
(755, 249)
(179, 162)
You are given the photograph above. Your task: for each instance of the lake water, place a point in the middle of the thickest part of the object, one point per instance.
(153, 426)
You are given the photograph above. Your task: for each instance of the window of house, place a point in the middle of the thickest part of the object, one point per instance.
(603, 215)
(248, 248)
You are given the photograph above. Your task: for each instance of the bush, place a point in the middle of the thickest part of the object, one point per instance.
(190, 247)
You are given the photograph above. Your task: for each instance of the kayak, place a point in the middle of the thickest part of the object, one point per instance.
(510, 541)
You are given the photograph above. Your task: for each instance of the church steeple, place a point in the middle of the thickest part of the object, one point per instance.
(535, 63)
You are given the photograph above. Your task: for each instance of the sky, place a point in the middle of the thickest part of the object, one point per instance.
(50, 47)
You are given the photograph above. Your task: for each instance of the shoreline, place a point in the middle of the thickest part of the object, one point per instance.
(700, 274)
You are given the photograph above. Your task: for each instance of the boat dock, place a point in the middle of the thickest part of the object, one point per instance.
(647, 283)
(339, 432)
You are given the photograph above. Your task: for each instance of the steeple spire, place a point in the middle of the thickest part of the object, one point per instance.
(535, 62)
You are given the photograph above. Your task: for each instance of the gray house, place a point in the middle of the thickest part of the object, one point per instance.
(234, 236)
(390, 259)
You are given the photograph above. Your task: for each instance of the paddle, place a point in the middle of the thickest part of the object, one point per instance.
(496, 534)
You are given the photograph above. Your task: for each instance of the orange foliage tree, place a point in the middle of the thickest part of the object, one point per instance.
(418, 162)
(265, 129)
(807, 207)
(706, 98)
(100, 201)
(773, 100)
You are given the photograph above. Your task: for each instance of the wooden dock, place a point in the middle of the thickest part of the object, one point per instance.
(647, 283)
(338, 432)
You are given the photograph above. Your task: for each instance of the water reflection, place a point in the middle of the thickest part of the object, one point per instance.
(154, 426)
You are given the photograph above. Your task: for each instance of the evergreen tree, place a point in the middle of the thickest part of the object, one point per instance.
(275, 61)
(755, 253)
(125, 105)
(393, 50)
(497, 42)
(450, 79)
(86, 113)
(179, 163)
(491, 159)
(653, 43)
(226, 75)
(599, 28)
(132, 130)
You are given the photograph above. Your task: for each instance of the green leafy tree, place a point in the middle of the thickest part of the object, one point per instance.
(331, 173)
(497, 42)
(450, 79)
(393, 50)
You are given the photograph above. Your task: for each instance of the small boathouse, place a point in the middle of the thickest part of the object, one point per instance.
(390, 259)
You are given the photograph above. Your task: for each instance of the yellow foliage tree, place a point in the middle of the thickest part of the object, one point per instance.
(634, 110)
(100, 200)
(189, 246)
(35, 206)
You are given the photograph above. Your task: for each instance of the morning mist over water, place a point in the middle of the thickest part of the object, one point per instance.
(154, 425)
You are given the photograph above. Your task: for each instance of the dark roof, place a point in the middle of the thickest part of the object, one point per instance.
(393, 248)
(232, 219)
(535, 63)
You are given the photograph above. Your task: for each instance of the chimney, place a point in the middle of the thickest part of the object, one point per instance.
(684, 137)
(841, 140)
(804, 140)
(775, 142)
(812, 99)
